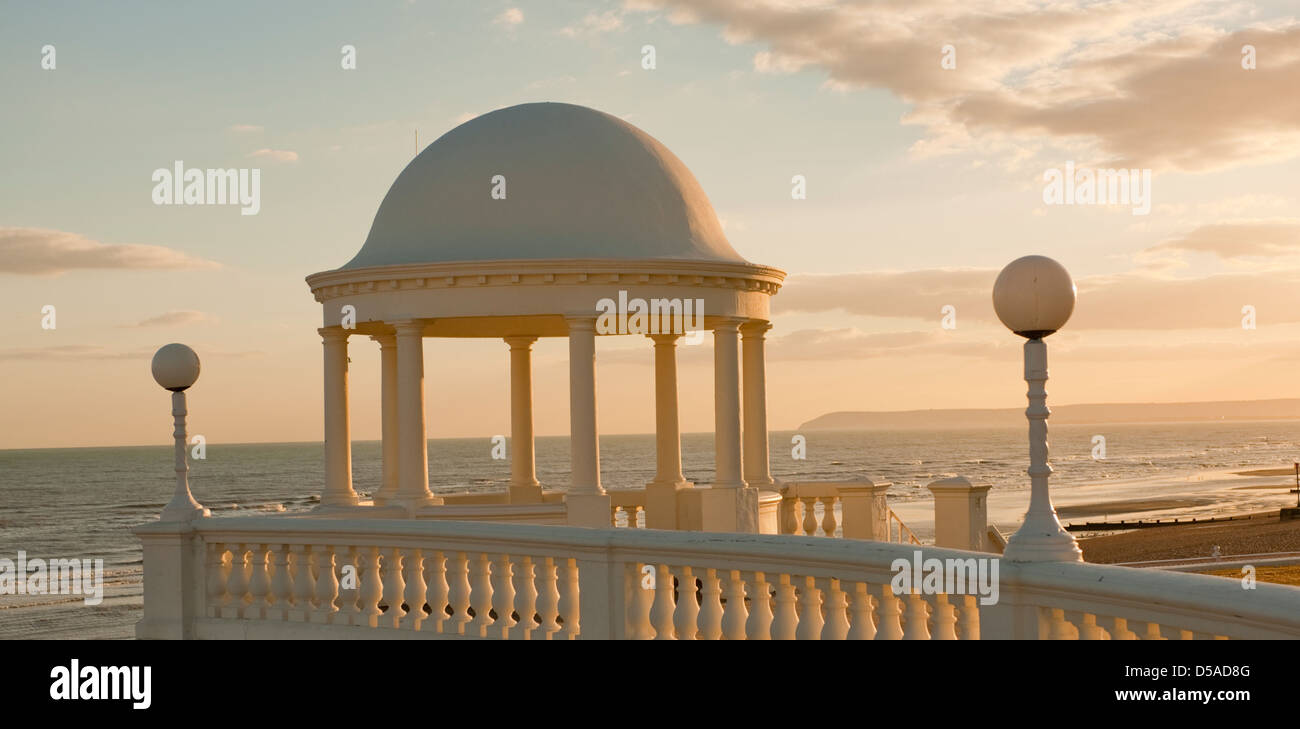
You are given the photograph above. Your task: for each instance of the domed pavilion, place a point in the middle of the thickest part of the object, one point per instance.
(528, 222)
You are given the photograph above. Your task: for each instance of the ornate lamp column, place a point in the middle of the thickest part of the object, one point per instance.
(176, 368)
(1034, 297)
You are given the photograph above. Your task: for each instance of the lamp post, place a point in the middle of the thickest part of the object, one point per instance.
(176, 368)
(1034, 296)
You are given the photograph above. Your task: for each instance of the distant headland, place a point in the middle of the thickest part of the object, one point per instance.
(1164, 412)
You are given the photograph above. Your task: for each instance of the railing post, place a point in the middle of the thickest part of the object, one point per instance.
(173, 580)
(865, 510)
(960, 514)
(602, 597)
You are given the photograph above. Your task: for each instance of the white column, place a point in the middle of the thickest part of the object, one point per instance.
(523, 463)
(1041, 538)
(584, 447)
(389, 419)
(661, 493)
(726, 405)
(338, 436)
(412, 441)
(586, 503)
(757, 461)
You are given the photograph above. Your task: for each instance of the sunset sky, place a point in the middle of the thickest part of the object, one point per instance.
(922, 182)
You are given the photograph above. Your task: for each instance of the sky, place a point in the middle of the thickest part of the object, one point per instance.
(924, 131)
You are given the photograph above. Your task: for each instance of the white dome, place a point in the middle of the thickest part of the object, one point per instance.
(579, 184)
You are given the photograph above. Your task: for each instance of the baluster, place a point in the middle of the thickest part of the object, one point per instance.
(525, 600)
(218, 574)
(1153, 632)
(688, 608)
(458, 593)
(789, 518)
(734, 613)
(548, 599)
(348, 574)
(759, 624)
(863, 628)
(435, 571)
(259, 582)
(281, 583)
(1086, 623)
(327, 586)
(237, 584)
(945, 617)
(640, 594)
(661, 612)
(828, 515)
(304, 583)
(394, 586)
(889, 625)
(809, 515)
(968, 617)
(568, 603)
(613, 516)
(786, 621)
(413, 574)
(1117, 627)
(917, 618)
(711, 607)
(481, 596)
(1052, 621)
(810, 611)
(503, 596)
(836, 602)
(371, 590)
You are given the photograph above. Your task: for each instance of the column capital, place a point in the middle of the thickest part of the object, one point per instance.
(727, 325)
(665, 340)
(408, 327)
(520, 342)
(385, 340)
(581, 322)
(334, 333)
(755, 329)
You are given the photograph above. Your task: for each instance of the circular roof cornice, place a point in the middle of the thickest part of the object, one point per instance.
(742, 276)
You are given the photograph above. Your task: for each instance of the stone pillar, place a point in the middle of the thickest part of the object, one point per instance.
(726, 405)
(864, 509)
(757, 462)
(338, 436)
(587, 504)
(389, 416)
(960, 514)
(412, 440)
(661, 493)
(728, 505)
(524, 488)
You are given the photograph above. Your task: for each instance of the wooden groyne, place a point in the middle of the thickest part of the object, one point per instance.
(1098, 526)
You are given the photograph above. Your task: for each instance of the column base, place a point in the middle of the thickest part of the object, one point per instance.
(588, 510)
(1042, 546)
(661, 503)
(526, 494)
(718, 508)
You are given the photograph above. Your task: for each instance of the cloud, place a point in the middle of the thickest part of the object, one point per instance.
(1239, 239)
(1129, 79)
(82, 352)
(594, 24)
(510, 17)
(245, 128)
(42, 252)
(183, 317)
(279, 155)
(1134, 301)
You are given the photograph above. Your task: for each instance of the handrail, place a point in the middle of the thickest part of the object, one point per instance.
(902, 530)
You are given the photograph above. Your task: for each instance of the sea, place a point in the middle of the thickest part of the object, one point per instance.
(83, 502)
